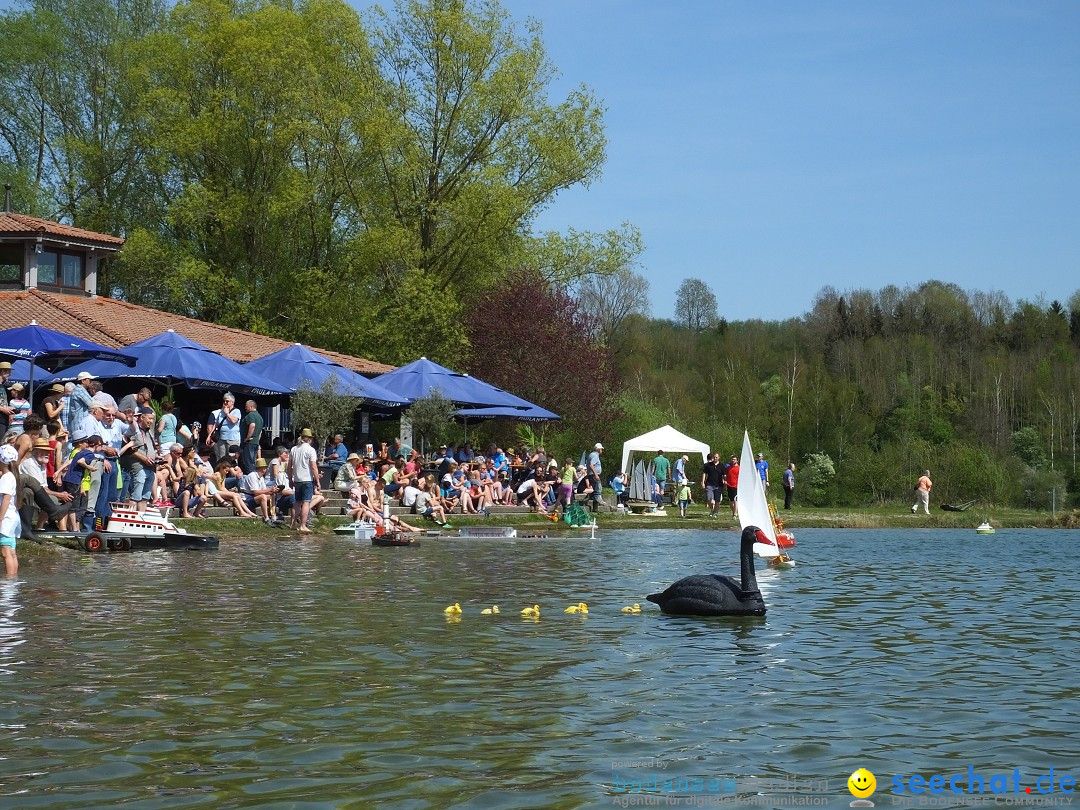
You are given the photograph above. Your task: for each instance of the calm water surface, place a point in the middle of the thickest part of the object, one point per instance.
(324, 674)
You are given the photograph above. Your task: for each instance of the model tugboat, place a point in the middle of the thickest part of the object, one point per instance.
(128, 529)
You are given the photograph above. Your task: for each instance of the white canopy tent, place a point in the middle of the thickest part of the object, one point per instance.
(667, 439)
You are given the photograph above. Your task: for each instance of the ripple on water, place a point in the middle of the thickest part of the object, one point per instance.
(322, 673)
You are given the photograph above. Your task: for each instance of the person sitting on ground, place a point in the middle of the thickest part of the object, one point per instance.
(408, 495)
(531, 493)
(285, 500)
(189, 499)
(169, 477)
(218, 493)
(622, 493)
(346, 476)
(583, 488)
(257, 495)
(449, 491)
(426, 506)
(337, 454)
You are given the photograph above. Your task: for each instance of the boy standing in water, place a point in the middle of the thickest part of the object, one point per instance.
(10, 525)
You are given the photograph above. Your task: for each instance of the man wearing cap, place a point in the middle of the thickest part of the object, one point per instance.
(5, 409)
(139, 461)
(256, 492)
(594, 470)
(304, 472)
(31, 490)
(80, 402)
(223, 427)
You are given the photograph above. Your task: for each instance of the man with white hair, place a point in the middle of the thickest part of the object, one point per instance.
(223, 428)
(594, 469)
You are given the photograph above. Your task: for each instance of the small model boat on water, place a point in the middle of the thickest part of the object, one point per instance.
(129, 529)
(393, 539)
(985, 528)
(755, 510)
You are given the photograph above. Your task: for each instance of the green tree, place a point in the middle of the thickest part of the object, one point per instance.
(431, 418)
(477, 149)
(695, 305)
(322, 409)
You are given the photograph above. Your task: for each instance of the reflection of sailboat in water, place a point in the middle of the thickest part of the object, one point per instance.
(11, 629)
(755, 510)
(641, 489)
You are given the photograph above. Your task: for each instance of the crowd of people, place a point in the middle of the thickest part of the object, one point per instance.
(80, 451)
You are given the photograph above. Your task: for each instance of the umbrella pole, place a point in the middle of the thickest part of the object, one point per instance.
(30, 385)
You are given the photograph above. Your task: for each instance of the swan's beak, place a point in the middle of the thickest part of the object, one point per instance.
(761, 538)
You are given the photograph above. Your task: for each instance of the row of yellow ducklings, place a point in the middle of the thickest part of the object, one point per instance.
(534, 611)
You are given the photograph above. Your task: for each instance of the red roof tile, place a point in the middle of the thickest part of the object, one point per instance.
(117, 324)
(24, 225)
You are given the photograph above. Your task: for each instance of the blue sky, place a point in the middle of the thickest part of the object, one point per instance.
(773, 148)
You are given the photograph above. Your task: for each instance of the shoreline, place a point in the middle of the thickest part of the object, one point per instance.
(886, 517)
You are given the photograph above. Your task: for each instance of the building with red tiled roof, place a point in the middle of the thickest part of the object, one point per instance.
(48, 274)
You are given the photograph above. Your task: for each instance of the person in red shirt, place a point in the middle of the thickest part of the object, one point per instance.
(731, 481)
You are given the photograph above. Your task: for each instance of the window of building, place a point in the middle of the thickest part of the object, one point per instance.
(46, 268)
(60, 269)
(10, 263)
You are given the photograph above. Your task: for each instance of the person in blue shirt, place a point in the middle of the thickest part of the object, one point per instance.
(336, 452)
(762, 468)
(83, 460)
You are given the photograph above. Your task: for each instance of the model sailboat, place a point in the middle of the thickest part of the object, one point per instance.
(754, 510)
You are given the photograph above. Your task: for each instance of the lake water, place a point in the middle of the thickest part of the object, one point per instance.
(323, 673)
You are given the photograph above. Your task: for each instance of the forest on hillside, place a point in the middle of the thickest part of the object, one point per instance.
(367, 182)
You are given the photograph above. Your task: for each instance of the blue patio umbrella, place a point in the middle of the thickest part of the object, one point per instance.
(531, 414)
(172, 358)
(297, 366)
(421, 377)
(52, 350)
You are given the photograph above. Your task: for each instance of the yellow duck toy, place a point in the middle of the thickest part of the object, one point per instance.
(453, 610)
(634, 608)
(531, 612)
(580, 607)
(491, 611)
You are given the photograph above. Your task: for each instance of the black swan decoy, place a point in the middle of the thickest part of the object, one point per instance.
(716, 595)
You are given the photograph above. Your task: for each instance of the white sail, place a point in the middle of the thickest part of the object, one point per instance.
(753, 505)
(639, 487)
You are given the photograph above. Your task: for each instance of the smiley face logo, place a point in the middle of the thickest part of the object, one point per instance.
(862, 783)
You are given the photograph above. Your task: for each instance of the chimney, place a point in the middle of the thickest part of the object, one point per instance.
(7, 198)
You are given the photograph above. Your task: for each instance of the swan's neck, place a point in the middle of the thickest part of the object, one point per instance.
(746, 558)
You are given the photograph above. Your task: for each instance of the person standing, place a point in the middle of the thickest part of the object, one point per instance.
(79, 406)
(223, 427)
(661, 468)
(789, 485)
(731, 480)
(5, 409)
(763, 469)
(594, 471)
(251, 428)
(922, 493)
(304, 472)
(10, 527)
(712, 481)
